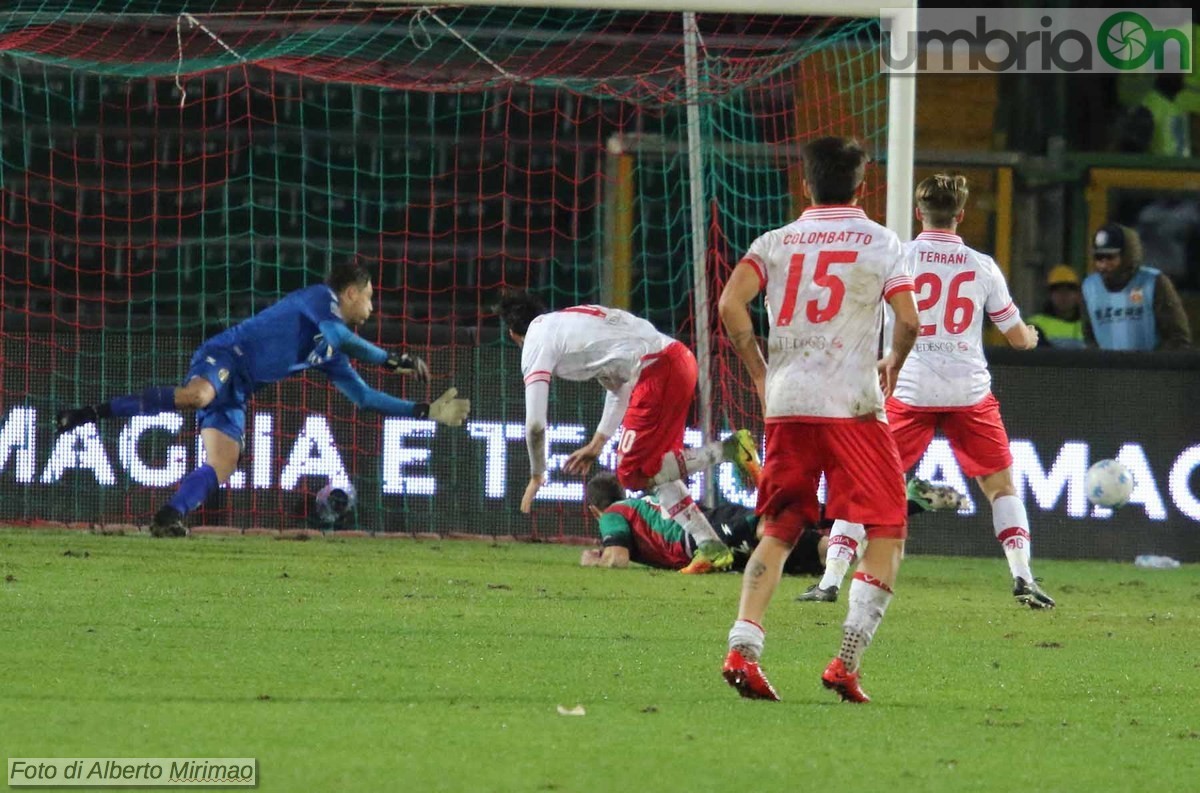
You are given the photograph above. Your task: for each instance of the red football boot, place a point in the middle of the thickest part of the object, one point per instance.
(747, 677)
(844, 682)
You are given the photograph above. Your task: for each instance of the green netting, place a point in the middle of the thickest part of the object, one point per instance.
(169, 168)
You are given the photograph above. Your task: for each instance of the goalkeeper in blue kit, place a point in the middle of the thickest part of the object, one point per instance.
(307, 329)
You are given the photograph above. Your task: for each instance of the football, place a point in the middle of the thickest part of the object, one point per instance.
(334, 505)
(1109, 484)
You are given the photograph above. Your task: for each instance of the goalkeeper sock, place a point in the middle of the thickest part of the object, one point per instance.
(869, 599)
(680, 463)
(843, 547)
(1011, 524)
(747, 637)
(675, 503)
(194, 489)
(154, 399)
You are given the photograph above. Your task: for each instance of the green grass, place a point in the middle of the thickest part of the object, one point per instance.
(399, 665)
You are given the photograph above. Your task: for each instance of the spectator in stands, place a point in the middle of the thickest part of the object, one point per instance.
(1060, 323)
(1127, 305)
(1161, 125)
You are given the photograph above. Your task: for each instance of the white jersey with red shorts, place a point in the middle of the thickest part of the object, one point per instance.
(945, 383)
(650, 379)
(825, 276)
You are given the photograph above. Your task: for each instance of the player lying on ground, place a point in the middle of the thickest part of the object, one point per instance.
(650, 379)
(636, 530)
(307, 329)
(945, 385)
(846, 546)
(825, 275)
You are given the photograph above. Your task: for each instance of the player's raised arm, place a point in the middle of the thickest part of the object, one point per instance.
(743, 285)
(344, 340)
(447, 409)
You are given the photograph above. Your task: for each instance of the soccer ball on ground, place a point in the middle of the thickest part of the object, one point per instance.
(1109, 484)
(334, 506)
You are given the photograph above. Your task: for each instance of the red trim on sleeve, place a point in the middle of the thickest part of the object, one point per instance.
(540, 374)
(900, 283)
(1008, 312)
(760, 268)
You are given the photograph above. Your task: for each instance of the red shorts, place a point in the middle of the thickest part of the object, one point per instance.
(976, 434)
(862, 473)
(657, 415)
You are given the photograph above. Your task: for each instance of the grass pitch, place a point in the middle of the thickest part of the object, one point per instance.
(402, 665)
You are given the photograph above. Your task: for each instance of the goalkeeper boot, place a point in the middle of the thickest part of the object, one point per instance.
(814, 594)
(711, 557)
(68, 419)
(934, 498)
(840, 679)
(168, 522)
(1028, 593)
(746, 676)
(740, 449)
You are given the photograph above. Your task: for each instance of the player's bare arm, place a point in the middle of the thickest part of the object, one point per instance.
(535, 436)
(742, 287)
(1022, 337)
(904, 336)
(580, 461)
(610, 556)
(615, 404)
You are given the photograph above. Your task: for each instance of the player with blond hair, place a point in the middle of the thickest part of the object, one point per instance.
(946, 385)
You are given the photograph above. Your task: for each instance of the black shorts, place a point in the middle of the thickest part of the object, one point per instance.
(737, 527)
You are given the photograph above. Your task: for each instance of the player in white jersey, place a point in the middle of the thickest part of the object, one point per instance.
(826, 276)
(650, 379)
(946, 384)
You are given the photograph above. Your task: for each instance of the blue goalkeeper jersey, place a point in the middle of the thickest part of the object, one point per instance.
(302, 331)
(286, 338)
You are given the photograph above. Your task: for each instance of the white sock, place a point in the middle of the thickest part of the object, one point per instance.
(684, 462)
(1012, 530)
(843, 548)
(869, 599)
(676, 503)
(747, 638)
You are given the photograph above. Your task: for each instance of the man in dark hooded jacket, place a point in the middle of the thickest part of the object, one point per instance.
(1129, 306)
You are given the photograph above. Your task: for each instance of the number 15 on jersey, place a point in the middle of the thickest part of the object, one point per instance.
(828, 302)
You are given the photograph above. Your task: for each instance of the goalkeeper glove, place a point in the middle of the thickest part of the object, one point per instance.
(408, 364)
(446, 409)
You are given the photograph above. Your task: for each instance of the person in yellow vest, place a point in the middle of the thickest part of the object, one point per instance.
(1060, 323)
(1168, 106)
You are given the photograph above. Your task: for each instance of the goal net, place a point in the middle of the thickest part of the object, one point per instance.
(165, 175)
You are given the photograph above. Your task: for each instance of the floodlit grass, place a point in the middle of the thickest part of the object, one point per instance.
(400, 665)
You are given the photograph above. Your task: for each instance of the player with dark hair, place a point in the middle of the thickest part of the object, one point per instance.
(651, 380)
(307, 329)
(826, 276)
(636, 530)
